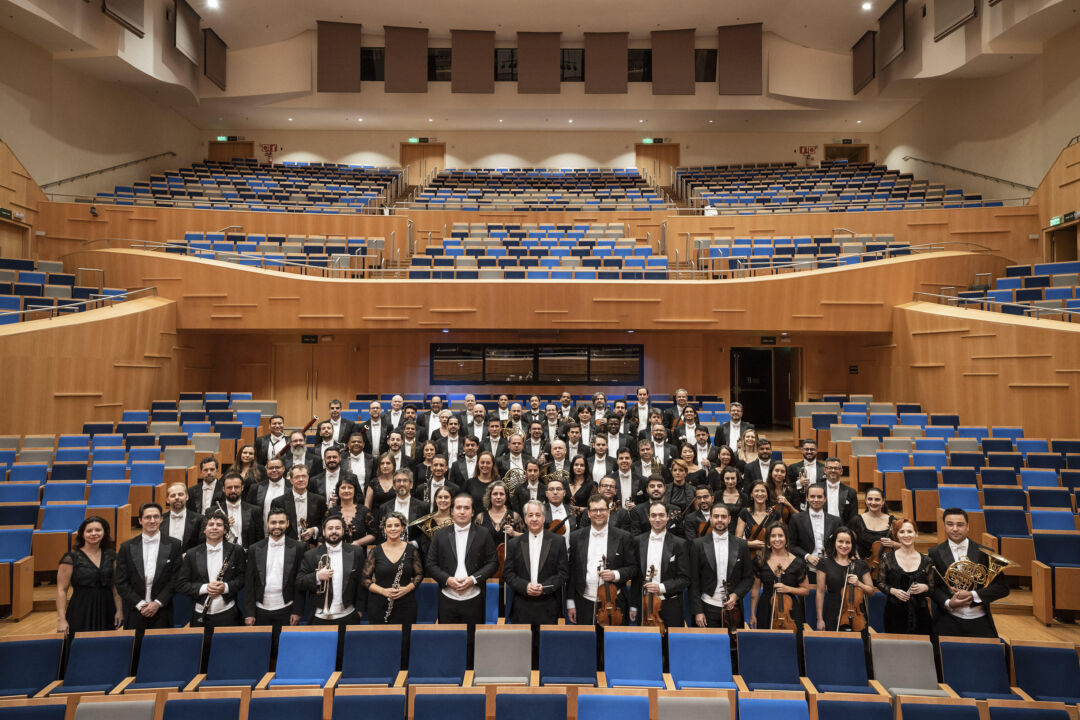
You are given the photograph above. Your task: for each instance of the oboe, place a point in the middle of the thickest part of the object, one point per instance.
(396, 585)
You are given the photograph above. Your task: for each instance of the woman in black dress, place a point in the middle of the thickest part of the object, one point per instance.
(695, 474)
(245, 464)
(94, 605)
(381, 487)
(728, 493)
(873, 526)
(725, 456)
(391, 575)
(838, 574)
(580, 487)
(426, 530)
(906, 578)
(497, 517)
(422, 469)
(486, 474)
(778, 571)
(755, 517)
(356, 518)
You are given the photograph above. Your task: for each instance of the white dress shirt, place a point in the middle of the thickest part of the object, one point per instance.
(395, 417)
(735, 432)
(817, 522)
(274, 489)
(208, 494)
(300, 501)
(150, 547)
(832, 498)
(336, 434)
(274, 445)
(702, 453)
(452, 444)
(402, 506)
(598, 543)
(536, 448)
(971, 611)
(215, 555)
(586, 434)
(177, 523)
(626, 486)
(478, 429)
(331, 482)
(358, 467)
(720, 552)
(812, 471)
(655, 559)
(534, 490)
(470, 466)
(275, 577)
(236, 520)
(517, 461)
(375, 430)
(536, 542)
(461, 541)
(338, 609)
(599, 468)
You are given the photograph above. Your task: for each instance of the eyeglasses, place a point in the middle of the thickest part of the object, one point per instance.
(598, 511)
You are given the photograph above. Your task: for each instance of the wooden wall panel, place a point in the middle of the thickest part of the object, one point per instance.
(1059, 191)
(90, 366)
(18, 193)
(217, 296)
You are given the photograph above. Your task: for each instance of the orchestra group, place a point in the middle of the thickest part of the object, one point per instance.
(620, 514)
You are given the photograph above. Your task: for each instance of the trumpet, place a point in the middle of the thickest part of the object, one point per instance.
(324, 587)
(966, 574)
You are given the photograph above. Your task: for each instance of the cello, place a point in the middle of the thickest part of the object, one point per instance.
(606, 608)
(650, 605)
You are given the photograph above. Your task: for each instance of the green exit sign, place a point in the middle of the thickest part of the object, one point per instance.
(1055, 221)
(222, 138)
(414, 140)
(646, 141)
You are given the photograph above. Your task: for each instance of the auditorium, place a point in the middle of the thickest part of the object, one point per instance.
(560, 361)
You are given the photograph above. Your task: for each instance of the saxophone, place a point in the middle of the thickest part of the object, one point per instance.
(395, 586)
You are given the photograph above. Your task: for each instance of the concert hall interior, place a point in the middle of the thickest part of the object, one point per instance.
(499, 358)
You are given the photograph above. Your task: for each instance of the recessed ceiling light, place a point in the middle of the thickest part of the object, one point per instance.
(213, 4)
(710, 121)
(431, 120)
(570, 120)
(641, 121)
(867, 6)
(359, 119)
(290, 119)
(500, 119)
(858, 122)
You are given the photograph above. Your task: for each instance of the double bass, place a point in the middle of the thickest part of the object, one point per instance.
(606, 608)
(650, 604)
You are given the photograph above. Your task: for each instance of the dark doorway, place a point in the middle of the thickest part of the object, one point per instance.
(783, 386)
(764, 381)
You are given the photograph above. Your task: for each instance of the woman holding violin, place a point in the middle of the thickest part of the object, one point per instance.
(906, 578)
(728, 492)
(780, 493)
(843, 584)
(780, 584)
(873, 529)
(754, 518)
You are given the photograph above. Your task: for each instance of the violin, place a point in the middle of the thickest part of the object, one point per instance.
(606, 608)
(703, 528)
(874, 561)
(852, 608)
(558, 526)
(650, 605)
(283, 451)
(782, 604)
(733, 618)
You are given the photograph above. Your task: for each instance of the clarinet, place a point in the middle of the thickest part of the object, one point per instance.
(220, 576)
(395, 586)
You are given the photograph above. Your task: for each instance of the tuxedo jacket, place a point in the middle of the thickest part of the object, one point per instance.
(422, 492)
(703, 575)
(621, 558)
(317, 484)
(417, 508)
(674, 567)
(195, 496)
(530, 416)
(673, 417)
(193, 529)
(467, 430)
(345, 429)
(544, 449)
(625, 441)
(753, 473)
(316, 509)
(131, 580)
(609, 463)
(797, 496)
(723, 433)
(255, 573)
(194, 574)
(801, 533)
(251, 523)
(480, 560)
(257, 493)
(502, 463)
(568, 527)
(848, 501)
(262, 448)
(692, 521)
(521, 496)
(459, 472)
(316, 467)
(639, 518)
(442, 447)
(388, 418)
(310, 460)
(369, 467)
(637, 487)
(582, 449)
(553, 572)
(497, 446)
(384, 431)
(679, 434)
(942, 557)
(352, 566)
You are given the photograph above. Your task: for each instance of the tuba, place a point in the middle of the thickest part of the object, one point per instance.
(966, 574)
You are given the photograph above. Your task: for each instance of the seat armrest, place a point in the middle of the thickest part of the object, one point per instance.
(991, 541)
(467, 681)
(400, 680)
(740, 683)
(879, 688)
(601, 679)
(534, 678)
(808, 686)
(1023, 695)
(951, 693)
(262, 684)
(194, 684)
(44, 692)
(669, 683)
(119, 689)
(335, 678)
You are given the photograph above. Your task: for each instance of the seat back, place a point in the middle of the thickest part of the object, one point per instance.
(265, 705)
(306, 654)
(1047, 671)
(974, 667)
(118, 709)
(829, 708)
(376, 704)
(903, 663)
(953, 710)
(612, 706)
(96, 660)
(502, 654)
(437, 654)
(464, 704)
(686, 706)
(238, 656)
(567, 652)
(835, 659)
(699, 656)
(516, 706)
(30, 663)
(632, 656)
(772, 708)
(193, 707)
(1057, 548)
(372, 655)
(768, 657)
(171, 656)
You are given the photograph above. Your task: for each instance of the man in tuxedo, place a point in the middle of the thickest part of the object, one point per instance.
(551, 424)
(396, 417)
(760, 469)
(730, 433)
(557, 511)
(618, 409)
(146, 568)
(410, 507)
(304, 509)
(807, 471)
(244, 523)
(300, 454)
(642, 409)
(630, 484)
(655, 490)
(324, 441)
(469, 411)
(964, 613)
(588, 546)
(536, 569)
(465, 467)
(341, 579)
(517, 422)
(532, 489)
(514, 457)
(212, 573)
(663, 569)
(477, 424)
(502, 409)
(656, 417)
(557, 450)
(273, 486)
(394, 442)
(269, 445)
(206, 493)
(704, 451)
(616, 440)
(452, 445)
(599, 464)
(720, 571)
(494, 442)
(673, 416)
(533, 413)
(375, 429)
(181, 524)
(584, 421)
(566, 405)
(686, 430)
(574, 446)
(428, 422)
(663, 451)
(536, 447)
(438, 479)
(357, 462)
(342, 428)
(461, 559)
(697, 522)
(270, 576)
(840, 500)
(411, 445)
(808, 530)
(647, 465)
(619, 517)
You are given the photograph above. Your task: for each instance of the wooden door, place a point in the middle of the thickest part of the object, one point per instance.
(657, 161)
(421, 159)
(293, 380)
(334, 376)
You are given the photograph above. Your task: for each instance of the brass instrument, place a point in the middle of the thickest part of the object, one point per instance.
(324, 588)
(560, 475)
(514, 478)
(507, 429)
(966, 574)
(428, 525)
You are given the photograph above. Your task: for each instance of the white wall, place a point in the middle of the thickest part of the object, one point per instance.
(60, 122)
(1012, 126)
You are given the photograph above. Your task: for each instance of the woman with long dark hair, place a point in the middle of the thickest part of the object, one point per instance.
(88, 571)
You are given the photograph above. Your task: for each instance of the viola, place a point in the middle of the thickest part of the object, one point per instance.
(703, 528)
(314, 419)
(874, 561)
(782, 604)
(606, 609)
(650, 605)
(852, 608)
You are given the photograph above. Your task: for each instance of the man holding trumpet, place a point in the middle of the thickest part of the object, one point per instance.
(331, 572)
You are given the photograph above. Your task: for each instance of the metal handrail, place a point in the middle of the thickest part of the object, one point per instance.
(732, 210)
(1029, 307)
(744, 263)
(99, 300)
(965, 171)
(167, 153)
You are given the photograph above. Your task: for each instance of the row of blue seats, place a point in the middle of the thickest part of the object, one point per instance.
(139, 472)
(524, 252)
(540, 274)
(553, 262)
(1053, 268)
(919, 477)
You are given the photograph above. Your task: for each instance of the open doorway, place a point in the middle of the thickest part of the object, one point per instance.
(765, 381)
(851, 153)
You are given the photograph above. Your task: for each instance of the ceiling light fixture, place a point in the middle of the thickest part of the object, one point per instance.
(359, 119)
(641, 121)
(500, 119)
(858, 122)
(290, 119)
(213, 4)
(431, 120)
(570, 120)
(867, 6)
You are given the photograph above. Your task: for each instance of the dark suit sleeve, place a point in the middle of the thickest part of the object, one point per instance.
(681, 579)
(629, 569)
(125, 575)
(187, 581)
(236, 574)
(305, 579)
(435, 552)
(172, 567)
(486, 549)
(249, 582)
(695, 562)
(360, 595)
(562, 568)
(512, 574)
(996, 589)
(571, 585)
(798, 542)
(744, 581)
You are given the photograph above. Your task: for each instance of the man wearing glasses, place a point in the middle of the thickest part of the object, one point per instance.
(599, 554)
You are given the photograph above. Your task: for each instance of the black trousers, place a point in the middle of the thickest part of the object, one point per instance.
(469, 612)
(225, 618)
(714, 616)
(671, 612)
(277, 618)
(353, 618)
(949, 624)
(135, 621)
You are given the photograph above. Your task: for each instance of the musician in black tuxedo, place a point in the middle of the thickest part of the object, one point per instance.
(697, 521)
(731, 432)
(534, 413)
(269, 445)
(212, 573)
(840, 499)
(965, 613)
(532, 489)
(495, 443)
(639, 414)
(574, 446)
(150, 554)
(273, 486)
(599, 462)
(465, 466)
(324, 440)
(342, 427)
(673, 416)
(807, 530)
(300, 454)
(375, 429)
(453, 445)
(667, 559)
(536, 445)
(312, 506)
(183, 525)
(712, 592)
(326, 482)
(244, 521)
(663, 451)
(270, 576)
(808, 471)
(461, 559)
(619, 516)
(588, 546)
(630, 485)
(404, 502)
(208, 492)
(761, 469)
(617, 440)
(559, 517)
(685, 431)
(341, 579)
(655, 490)
(536, 569)
(647, 465)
